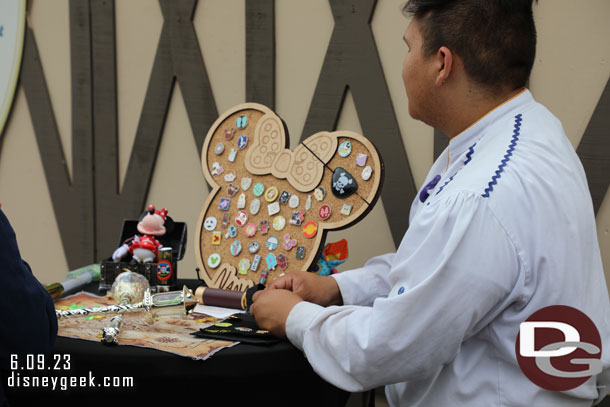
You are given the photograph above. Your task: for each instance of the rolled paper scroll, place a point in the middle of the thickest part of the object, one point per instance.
(221, 298)
(57, 289)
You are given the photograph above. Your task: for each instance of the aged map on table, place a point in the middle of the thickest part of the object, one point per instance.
(167, 333)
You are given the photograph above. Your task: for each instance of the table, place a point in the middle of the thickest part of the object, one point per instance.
(241, 375)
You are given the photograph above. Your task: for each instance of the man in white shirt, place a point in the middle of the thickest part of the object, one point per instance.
(503, 227)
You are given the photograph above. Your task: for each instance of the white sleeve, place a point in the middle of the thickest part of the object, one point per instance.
(449, 278)
(362, 286)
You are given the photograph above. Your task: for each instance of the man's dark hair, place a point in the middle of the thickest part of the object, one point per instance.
(496, 39)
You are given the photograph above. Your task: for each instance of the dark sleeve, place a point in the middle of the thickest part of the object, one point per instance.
(27, 319)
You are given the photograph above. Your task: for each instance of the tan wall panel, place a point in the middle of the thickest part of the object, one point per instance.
(23, 186)
(301, 45)
(138, 27)
(571, 70)
(51, 24)
(221, 30)
(178, 182)
(572, 62)
(25, 197)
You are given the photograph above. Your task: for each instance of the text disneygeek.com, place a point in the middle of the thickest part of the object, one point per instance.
(22, 368)
(16, 380)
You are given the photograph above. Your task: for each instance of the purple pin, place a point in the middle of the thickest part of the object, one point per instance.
(423, 195)
(224, 204)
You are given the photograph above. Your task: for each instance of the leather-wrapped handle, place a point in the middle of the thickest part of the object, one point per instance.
(221, 298)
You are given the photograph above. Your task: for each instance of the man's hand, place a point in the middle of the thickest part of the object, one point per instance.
(270, 308)
(310, 287)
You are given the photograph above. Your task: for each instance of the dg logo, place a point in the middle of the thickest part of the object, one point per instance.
(559, 348)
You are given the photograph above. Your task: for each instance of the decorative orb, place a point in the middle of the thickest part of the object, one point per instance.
(129, 287)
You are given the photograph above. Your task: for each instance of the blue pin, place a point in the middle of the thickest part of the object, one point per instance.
(242, 141)
(241, 122)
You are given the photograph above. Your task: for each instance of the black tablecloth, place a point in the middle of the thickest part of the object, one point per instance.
(240, 375)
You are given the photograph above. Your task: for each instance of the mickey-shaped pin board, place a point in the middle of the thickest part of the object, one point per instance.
(280, 202)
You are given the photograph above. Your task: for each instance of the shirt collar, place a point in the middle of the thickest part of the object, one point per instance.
(472, 134)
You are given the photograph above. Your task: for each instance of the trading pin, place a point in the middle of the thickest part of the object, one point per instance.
(255, 206)
(241, 201)
(272, 243)
(255, 263)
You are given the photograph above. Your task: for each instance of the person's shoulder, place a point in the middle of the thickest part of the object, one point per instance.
(521, 155)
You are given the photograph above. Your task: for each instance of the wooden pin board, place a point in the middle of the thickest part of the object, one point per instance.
(245, 159)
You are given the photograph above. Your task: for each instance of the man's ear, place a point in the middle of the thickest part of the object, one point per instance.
(445, 59)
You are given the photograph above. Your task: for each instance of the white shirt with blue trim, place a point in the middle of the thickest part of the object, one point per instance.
(508, 229)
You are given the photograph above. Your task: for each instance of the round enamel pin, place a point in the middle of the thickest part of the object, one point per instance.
(279, 222)
(219, 148)
(271, 194)
(210, 223)
(214, 260)
(258, 189)
(253, 247)
(324, 212)
(255, 206)
(250, 229)
(293, 202)
(310, 229)
(272, 243)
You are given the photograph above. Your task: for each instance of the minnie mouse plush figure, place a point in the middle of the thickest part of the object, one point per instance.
(144, 248)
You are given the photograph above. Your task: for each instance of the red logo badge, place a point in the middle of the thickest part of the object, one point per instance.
(559, 348)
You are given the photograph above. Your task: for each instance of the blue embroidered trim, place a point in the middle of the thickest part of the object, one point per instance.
(468, 159)
(469, 154)
(445, 184)
(507, 156)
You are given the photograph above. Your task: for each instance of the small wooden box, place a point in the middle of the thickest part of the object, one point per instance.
(160, 275)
